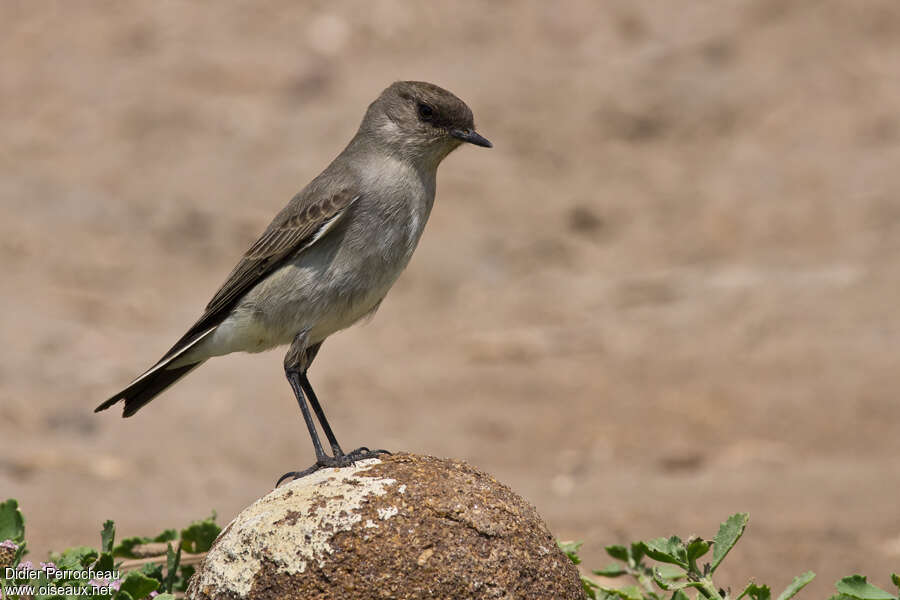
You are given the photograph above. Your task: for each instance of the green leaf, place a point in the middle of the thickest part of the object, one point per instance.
(12, 523)
(669, 550)
(165, 596)
(187, 571)
(138, 585)
(797, 584)
(610, 570)
(680, 595)
(637, 553)
(570, 549)
(123, 595)
(896, 579)
(696, 547)
(172, 560)
(154, 570)
(107, 536)
(200, 535)
(589, 588)
(668, 585)
(104, 563)
(125, 548)
(670, 578)
(670, 572)
(729, 533)
(856, 586)
(169, 535)
(629, 592)
(756, 592)
(76, 558)
(21, 552)
(618, 552)
(647, 582)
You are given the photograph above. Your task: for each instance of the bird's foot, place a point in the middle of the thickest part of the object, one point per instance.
(293, 475)
(362, 453)
(341, 460)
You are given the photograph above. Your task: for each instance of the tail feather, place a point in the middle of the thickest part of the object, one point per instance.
(147, 387)
(164, 373)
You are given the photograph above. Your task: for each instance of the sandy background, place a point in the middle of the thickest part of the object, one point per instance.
(668, 294)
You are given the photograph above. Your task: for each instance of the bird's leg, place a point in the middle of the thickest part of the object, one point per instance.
(358, 454)
(296, 364)
(320, 414)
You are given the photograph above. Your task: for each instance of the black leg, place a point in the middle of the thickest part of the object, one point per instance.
(320, 414)
(311, 353)
(294, 379)
(296, 363)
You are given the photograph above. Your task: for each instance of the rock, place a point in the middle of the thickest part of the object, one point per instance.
(400, 527)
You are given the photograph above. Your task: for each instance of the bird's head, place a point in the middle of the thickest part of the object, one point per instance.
(421, 121)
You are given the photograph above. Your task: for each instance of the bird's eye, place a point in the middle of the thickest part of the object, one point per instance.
(425, 111)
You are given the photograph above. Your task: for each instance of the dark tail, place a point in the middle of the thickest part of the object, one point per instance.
(147, 387)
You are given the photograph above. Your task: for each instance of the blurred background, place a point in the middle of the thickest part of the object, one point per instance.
(668, 294)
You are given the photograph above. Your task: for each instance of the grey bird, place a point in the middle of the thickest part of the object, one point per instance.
(330, 256)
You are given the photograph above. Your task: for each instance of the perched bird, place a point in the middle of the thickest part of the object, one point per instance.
(330, 256)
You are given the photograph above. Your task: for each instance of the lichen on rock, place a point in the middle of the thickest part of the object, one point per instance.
(400, 527)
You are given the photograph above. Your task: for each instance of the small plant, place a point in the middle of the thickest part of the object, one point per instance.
(84, 572)
(670, 568)
(662, 569)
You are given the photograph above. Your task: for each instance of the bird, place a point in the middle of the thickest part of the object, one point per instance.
(329, 257)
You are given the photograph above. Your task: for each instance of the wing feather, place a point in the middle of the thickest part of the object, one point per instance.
(297, 227)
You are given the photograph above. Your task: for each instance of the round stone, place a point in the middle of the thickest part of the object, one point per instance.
(399, 527)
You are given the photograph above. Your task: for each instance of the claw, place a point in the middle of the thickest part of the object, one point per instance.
(363, 453)
(293, 475)
(344, 460)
